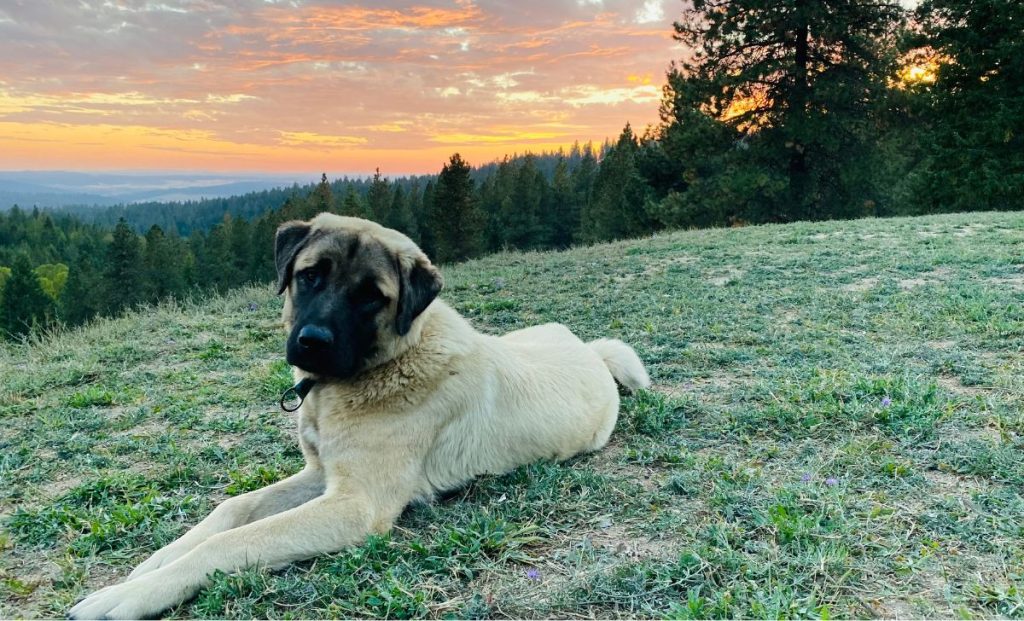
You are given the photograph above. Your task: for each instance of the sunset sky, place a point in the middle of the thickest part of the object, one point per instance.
(303, 86)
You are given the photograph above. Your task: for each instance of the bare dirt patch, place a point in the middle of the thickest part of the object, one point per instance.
(610, 460)
(933, 277)
(702, 388)
(720, 278)
(969, 229)
(986, 434)
(657, 267)
(928, 600)
(952, 484)
(618, 540)
(667, 262)
(910, 283)
(953, 385)
(861, 285)
(151, 428)
(895, 609)
(1014, 283)
(788, 316)
(55, 489)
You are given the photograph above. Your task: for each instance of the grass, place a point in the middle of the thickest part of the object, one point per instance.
(836, 430)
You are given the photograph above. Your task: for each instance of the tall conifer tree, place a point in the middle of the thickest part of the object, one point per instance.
(974, 148)
(123, 276)
(794, 85)
(24, 305)
(456, 220)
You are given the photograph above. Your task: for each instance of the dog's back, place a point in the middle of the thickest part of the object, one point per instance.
(537, 393)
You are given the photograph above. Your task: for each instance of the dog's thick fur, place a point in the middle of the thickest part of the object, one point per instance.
(427, 411)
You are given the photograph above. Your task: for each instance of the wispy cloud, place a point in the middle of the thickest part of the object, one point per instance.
(244, 84)
(320, 140)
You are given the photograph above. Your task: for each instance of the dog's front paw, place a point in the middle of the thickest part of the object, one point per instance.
(138, 599)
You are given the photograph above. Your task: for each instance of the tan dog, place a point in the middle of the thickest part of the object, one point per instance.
(409, 400)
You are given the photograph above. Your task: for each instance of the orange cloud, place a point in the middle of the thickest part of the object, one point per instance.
(341, 86)
(324, 141)
(510, 136)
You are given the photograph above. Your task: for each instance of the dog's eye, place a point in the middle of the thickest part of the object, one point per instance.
(368, 295)
(311, 276)
(315, 275)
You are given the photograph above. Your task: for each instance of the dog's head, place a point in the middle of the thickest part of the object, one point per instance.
(353, 290)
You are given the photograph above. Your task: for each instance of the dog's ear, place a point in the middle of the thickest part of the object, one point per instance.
(419, 284)
(290, 239)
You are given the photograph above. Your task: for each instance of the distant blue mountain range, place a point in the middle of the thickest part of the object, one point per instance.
(53, 188)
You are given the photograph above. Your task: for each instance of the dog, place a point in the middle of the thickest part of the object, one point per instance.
(405, 400)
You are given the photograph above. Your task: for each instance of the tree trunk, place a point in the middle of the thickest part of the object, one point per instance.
(799, 205)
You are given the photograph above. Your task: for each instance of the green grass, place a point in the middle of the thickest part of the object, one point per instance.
(836, 430)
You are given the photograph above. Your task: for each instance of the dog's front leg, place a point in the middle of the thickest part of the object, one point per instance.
(238, 511)
(325, 524)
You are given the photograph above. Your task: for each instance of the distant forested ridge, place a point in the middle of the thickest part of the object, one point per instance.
(792, 110)
(68, 265)
(202, 215)
(184, 217)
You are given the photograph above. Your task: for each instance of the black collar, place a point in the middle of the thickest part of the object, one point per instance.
(298, 391)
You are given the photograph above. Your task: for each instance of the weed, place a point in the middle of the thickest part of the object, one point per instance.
(92, 395)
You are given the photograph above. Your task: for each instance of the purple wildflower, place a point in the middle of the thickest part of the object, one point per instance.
(533, 573)
(805, 477)
(831, 481)
(886, 402)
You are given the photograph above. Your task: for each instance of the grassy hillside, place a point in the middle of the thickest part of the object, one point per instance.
(836, 429)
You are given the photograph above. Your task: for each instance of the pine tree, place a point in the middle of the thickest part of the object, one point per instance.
(123, 277)
(562, 211)
(196, 276)
(82, 298)
(456, 221)
(496, 202)
(795, 83)
(399, 214)
(352, 206)
(521, 215)
(164, 273)
(293, 209)
(241, 250)
(425, 218)
(24, 305)
(583, 186)
(414, 206)
(974, 145)
(619, 204)
(378, 199)
(218, 265)
(321, 199)
(263, 267)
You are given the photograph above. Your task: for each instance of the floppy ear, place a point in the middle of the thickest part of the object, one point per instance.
(290, 239)
(419, 285)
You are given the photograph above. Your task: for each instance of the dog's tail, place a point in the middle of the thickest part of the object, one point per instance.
(623, 362)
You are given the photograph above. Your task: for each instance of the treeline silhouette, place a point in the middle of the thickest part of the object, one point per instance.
(794, 110)
(55, 267)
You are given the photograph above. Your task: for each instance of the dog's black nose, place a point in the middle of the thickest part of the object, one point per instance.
(315, 337)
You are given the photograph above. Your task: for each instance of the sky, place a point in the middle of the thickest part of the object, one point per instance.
(309, 86)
